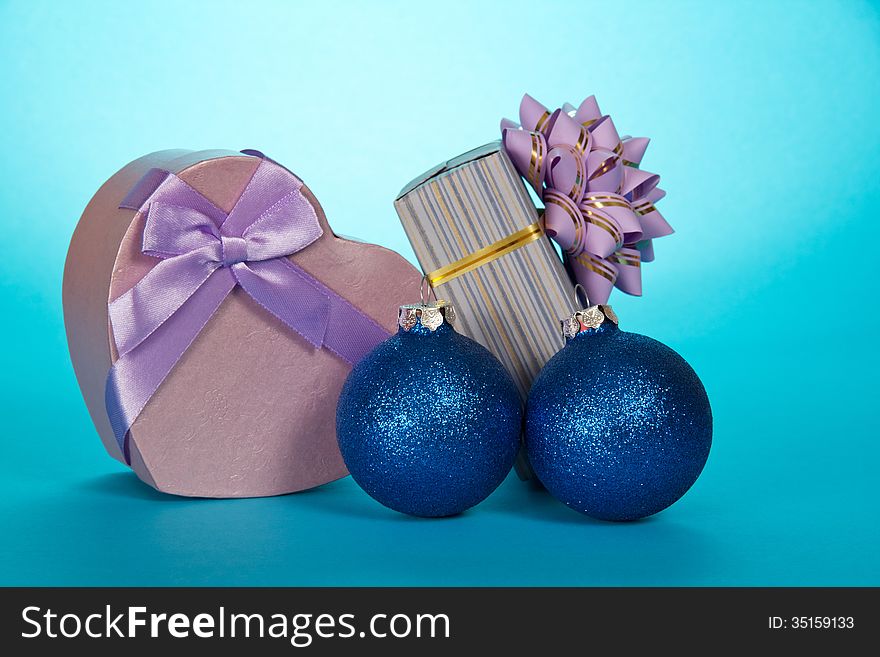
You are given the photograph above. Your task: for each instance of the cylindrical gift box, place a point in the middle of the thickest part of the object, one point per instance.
(478, 237)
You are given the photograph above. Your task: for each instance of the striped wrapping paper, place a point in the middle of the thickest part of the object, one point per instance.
(511, 305)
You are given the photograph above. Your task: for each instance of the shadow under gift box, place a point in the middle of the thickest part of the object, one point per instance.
(478, 236)
(249, 408)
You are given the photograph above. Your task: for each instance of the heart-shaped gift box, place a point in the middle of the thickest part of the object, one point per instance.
(238, 400)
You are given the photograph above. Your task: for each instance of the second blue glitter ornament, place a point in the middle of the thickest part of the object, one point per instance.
(618, 425)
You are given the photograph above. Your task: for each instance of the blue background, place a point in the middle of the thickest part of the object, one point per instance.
(764, 119)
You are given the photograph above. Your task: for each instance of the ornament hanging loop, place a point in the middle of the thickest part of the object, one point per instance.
(425, 290)
(577, 297)
(429, 314)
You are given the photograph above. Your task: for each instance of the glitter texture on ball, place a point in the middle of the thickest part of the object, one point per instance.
(429, 422)
(618, 425)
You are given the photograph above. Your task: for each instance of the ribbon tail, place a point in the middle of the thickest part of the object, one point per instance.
(288, 293)
(310, 308)
(142, 310)
(351, 334)
(136, 375)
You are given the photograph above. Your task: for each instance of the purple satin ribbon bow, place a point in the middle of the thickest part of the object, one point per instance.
(203, 254)
(599, 206)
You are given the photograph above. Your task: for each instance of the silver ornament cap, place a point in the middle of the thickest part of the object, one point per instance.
(431, 315)
(589, 318)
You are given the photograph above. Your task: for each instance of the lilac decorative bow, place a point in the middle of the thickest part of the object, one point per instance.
(203, 254)
(599, 206)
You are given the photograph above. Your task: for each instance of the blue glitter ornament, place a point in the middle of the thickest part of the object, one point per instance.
(618, 426)
(429, 422)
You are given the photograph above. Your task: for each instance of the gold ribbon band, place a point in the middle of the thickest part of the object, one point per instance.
(645, 208)
(597, 267)
(606, 204)
(605, 197)
(604, 168)
(632, 261)
(539, 126)
(487, 254)
(580, 174)
(583, 141)
(592, 218)
(536, 161)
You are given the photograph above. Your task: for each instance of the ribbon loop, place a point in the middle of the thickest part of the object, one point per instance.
(173, 230)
